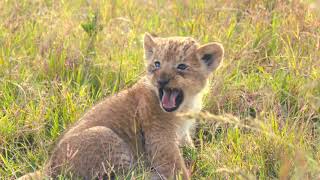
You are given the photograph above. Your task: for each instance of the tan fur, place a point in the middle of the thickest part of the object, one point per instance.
(124, 127)
(34, 176)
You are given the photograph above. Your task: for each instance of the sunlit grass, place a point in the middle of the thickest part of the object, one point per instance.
(58, 58)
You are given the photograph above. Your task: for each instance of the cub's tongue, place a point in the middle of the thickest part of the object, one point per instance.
(169, 99)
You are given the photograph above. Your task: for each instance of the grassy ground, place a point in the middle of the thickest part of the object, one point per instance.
(57, 58)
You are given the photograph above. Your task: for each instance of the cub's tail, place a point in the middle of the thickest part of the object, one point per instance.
(32, 176)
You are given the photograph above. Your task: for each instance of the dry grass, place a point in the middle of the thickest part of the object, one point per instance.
(57, 58)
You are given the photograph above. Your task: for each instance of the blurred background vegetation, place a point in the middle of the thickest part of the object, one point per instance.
(58, 58)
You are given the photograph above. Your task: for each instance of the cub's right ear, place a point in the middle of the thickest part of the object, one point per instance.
(211, 55)
(149, 45)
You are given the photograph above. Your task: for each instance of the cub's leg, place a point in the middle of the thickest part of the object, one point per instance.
(165, 156)
(97, 151)
(186, 140)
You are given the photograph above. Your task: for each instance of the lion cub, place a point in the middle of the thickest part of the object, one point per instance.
(142, 120)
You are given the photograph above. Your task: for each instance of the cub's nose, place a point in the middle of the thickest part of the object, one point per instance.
(162, 82)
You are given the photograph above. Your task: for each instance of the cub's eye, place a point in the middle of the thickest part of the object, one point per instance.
(157, 64)
(182, 67)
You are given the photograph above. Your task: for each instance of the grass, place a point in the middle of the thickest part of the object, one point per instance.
(58, 58)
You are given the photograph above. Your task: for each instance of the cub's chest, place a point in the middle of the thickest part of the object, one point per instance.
(185, 128)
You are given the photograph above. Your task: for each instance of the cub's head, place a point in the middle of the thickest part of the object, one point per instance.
(178, 68)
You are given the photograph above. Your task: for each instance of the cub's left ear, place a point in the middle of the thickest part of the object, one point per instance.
(211, 55)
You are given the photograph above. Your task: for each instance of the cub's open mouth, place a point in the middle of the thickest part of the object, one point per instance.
(170, 99)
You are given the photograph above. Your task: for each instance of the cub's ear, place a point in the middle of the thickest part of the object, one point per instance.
(149, 45)
(211, 55)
